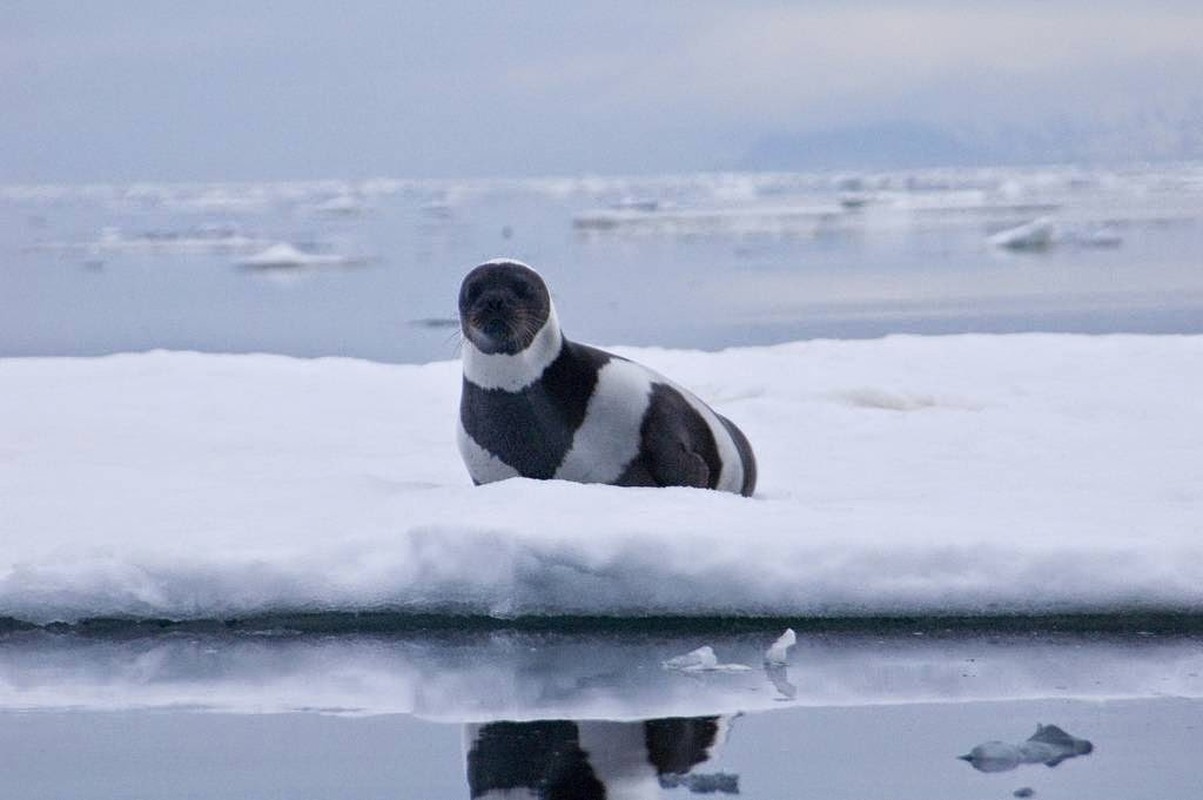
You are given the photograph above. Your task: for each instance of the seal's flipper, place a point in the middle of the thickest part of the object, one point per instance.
(677, 445)
(679, 466)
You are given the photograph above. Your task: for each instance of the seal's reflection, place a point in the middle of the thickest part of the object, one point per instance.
(581, 760)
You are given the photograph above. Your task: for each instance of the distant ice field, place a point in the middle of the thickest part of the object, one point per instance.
(958, 475)
(370, 268)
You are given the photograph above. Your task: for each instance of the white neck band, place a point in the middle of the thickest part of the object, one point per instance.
(513, 373)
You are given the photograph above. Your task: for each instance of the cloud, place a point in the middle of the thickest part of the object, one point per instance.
(778, 63)
(271, 89)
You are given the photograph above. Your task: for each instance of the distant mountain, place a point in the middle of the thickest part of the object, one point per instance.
(878, 146)
(907, 144)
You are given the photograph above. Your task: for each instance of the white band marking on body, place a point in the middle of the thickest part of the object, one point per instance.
(609, 436)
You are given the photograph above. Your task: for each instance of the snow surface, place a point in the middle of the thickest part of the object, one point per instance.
(968, 474)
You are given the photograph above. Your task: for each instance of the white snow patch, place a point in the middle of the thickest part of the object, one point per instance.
(1066, 477)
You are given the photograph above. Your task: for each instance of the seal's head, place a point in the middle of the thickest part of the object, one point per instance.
(503, 305)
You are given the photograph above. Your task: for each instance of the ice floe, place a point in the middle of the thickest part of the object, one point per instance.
(1040, 474)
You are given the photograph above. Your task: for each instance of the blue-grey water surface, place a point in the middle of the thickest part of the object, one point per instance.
(705, 261)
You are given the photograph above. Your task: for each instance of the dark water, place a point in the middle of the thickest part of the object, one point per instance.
(458, 714)
(720, 261)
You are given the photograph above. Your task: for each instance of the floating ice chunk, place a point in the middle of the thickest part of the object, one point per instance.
(343, 205)
(777, 654)
(1043, 233)
(702, 660)
(285, 256)
(993, 756)
(1039, 234)
(1049, 745)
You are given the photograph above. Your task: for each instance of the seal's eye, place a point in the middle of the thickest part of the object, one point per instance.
(522, 291)
(472, 293)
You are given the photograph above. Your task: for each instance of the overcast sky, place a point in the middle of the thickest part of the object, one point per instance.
(163, 90)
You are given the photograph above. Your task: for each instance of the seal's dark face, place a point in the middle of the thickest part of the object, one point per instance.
(502, 305)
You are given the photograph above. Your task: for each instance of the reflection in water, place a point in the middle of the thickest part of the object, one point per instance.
(775, 660)
(390, 710)
(1049, 746)
(553, 759)
(778, 675)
